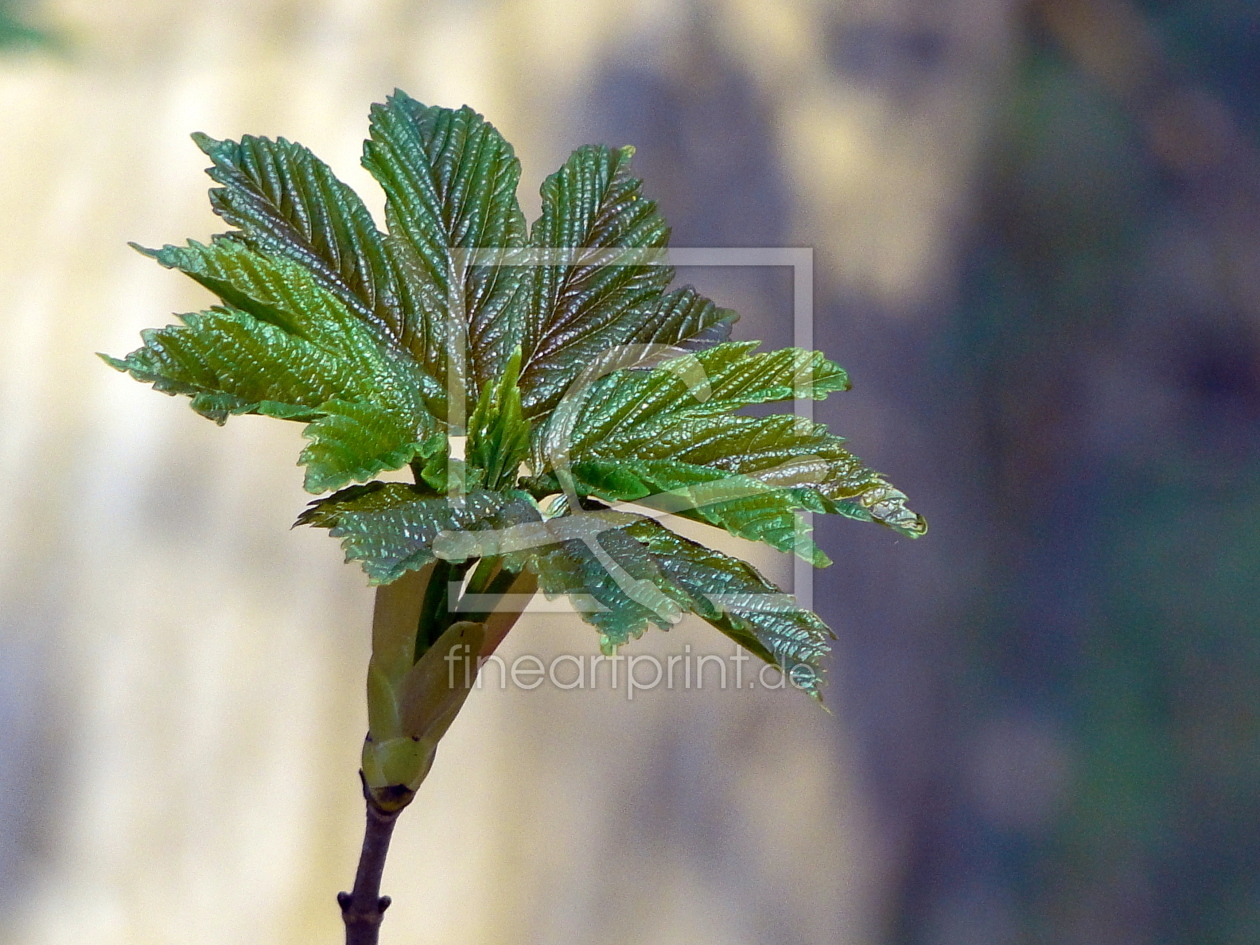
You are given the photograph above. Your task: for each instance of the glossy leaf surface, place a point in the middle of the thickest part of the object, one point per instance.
(578, 381)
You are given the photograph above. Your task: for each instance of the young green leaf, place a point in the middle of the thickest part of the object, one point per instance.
(390, 527)
(230, 362)
(498, 433)
(684, 319)
(580, 308)
(618, 413)
(742, 505)
(291, 349)
(450, 185)
(667, 436)
(732, 596)
(353, 442)
(284, 201)
(747, 475)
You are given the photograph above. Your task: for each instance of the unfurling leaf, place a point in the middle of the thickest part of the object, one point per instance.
(498, 433)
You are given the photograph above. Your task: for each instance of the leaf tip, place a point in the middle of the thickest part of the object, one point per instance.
(397, 97)
(145, 251)
(115, 363)
(311, 516)
(205, 142)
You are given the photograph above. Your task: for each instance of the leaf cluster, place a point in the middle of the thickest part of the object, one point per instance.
(591, 402)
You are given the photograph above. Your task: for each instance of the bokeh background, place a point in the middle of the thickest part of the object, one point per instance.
(1037, 247)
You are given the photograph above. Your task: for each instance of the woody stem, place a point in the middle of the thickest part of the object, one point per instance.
(364, 907)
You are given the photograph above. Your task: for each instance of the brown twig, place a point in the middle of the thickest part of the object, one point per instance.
(363, 908)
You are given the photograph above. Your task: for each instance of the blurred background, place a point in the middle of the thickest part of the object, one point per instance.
(1036, 229)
